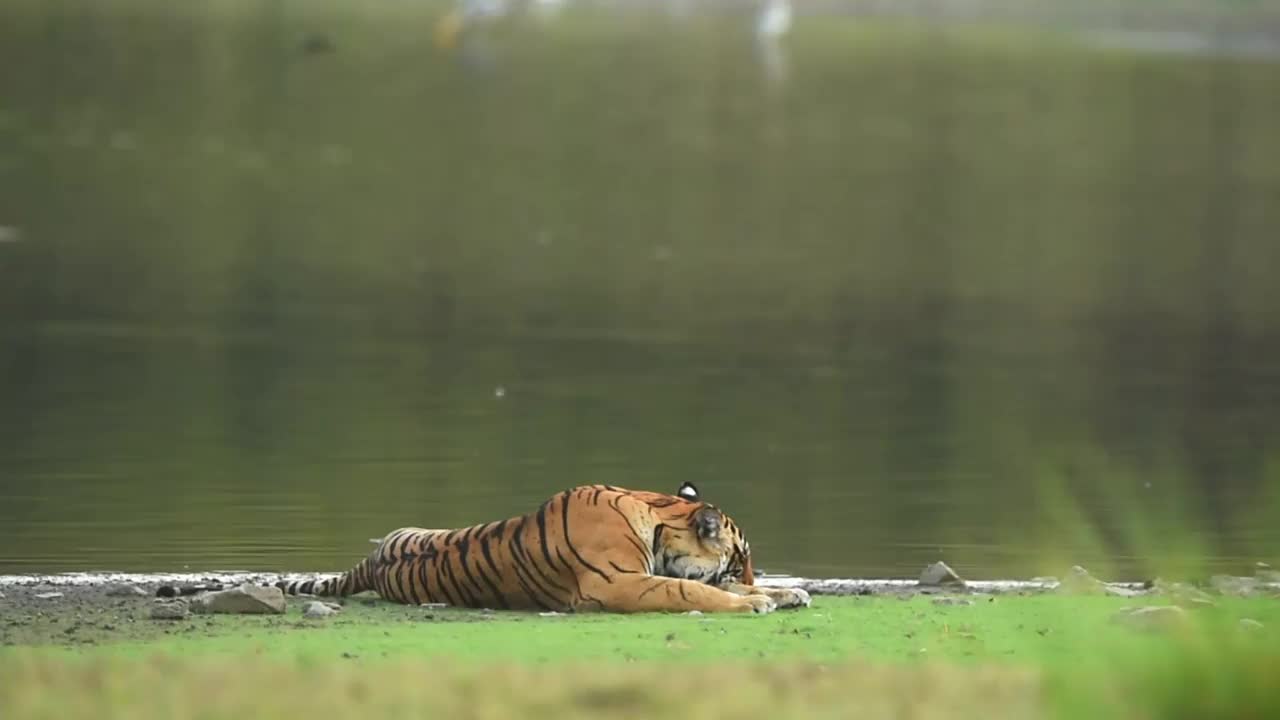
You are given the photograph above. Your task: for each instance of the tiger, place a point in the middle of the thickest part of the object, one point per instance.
(589, 548)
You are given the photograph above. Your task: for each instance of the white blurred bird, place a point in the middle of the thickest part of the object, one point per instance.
(774, 19)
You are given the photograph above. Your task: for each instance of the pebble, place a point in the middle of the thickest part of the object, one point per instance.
(434, 606)
(316, 610)
(48, 596)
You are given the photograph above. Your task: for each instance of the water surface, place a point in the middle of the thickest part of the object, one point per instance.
(960, 292)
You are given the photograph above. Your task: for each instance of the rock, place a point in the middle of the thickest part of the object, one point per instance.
(940, 574)
(1154, 618)
(316, 610)
(952, 601)
(694, 612)
(244, 600)
(1252, 626)
(48, 596)
(1, 596)
(1080, 582)
(170, 611)
(126, 591)
(1044, 580)
(1264, 573)
(1234, 586)
(434, 606)
(551, 613)
(9, 234)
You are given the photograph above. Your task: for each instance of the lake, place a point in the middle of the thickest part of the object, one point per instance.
(279, 276)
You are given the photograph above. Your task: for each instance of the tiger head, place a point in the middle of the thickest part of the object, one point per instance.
(702, 543)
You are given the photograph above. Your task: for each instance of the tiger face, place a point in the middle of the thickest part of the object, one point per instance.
(708, 547)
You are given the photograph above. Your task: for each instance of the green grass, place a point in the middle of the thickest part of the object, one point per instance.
(1009, 656)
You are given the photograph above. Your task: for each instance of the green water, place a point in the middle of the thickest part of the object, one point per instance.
(952, 292)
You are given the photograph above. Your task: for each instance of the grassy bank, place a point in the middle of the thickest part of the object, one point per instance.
(1007, 656)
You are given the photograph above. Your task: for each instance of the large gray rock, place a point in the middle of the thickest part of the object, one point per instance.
(1156, 618)
(244, 600)
(939, 574)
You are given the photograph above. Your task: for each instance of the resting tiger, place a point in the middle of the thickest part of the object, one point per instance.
(591, 548)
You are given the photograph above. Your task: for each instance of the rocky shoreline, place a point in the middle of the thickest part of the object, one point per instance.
(934, 579)
(88, 608)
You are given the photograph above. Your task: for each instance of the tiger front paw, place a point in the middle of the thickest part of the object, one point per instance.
(760, 604)
(791, 598)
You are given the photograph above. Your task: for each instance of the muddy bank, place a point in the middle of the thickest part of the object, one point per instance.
(86, 610)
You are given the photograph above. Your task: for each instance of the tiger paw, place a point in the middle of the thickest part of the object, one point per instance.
(760, 604)
(791, 598)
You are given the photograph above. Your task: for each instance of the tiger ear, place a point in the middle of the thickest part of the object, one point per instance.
(688, 491)
(707, 523)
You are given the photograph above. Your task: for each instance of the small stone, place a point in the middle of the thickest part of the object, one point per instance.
(940, 574)
(434, 606)
(126, 591)
(954, 601)
(694, 612)
(551, 613)
(169, 611)
(1252, 626)
(9, 234)
(1, 596)
(48, 596)
(1080, 582)
(1234, 586)
(1044, 580)
(317, 610)
(244, 600)
(1154, 618)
